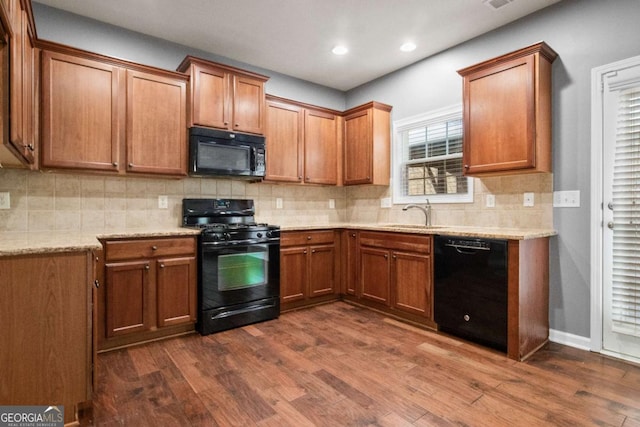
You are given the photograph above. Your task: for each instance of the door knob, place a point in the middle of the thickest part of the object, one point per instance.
(610, 224)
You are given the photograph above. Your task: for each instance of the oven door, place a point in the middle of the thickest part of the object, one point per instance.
(238, 274)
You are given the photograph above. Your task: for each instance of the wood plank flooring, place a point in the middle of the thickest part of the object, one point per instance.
(340, 365)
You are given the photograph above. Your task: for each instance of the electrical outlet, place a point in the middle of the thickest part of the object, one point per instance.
(490, 201)
(5, 200)
(385, 202)
(163, 202)
(566, 199)
(528, 199)
(332, 203)
(278, 202)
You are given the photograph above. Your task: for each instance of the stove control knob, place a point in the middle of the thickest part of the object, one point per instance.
(226, 236)
(259, 235)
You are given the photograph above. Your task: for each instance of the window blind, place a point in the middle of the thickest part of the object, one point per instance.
(432, 159)
(626, 216)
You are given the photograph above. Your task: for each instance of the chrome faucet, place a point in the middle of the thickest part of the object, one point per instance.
(426, 209)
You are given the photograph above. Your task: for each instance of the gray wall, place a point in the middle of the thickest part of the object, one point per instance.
(585, 33)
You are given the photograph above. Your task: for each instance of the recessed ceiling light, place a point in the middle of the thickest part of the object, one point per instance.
(340, 50)
(408, 47)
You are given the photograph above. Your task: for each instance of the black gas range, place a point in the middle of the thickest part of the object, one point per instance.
(238, 263)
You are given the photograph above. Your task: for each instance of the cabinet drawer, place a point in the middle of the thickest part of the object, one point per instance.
(146, 248)
(298, 238)
(397, 241)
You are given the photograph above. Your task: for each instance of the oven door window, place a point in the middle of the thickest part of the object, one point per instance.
(242, 270)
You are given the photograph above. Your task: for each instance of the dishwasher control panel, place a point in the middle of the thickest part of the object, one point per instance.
(468, 243)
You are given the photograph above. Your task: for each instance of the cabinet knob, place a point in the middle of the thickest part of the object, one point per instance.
(130, 165)
(313, 251)
(154, 248)
(353, 235)
(29, 147)
(308, 237)
(161, 265)
(115, 164)
(308, 178)
(305, 252)
(226, 123)
(96, 283)
(236, 125)
(146, 267)
(394, 257)
(466, 166)
(386, 256)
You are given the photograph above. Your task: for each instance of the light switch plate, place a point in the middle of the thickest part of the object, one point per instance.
(5, 200)
(278, 202)
(332, 203)
(528, 199)
(566, 199)
(163, 202)
(490, 201)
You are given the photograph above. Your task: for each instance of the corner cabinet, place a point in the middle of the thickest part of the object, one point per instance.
(507, 113)
(303, 143)
(309, 268)
(367, 144)
(98, 114)
(224, 97)
(149, 291)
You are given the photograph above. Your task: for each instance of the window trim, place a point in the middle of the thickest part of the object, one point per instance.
(423, 119)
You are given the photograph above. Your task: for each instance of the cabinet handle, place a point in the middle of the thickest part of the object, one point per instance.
(146, 267)
(96, 283)
(154, 248)
(161, 265)
(115, 164)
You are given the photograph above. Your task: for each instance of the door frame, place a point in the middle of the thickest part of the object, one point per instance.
(598, 75)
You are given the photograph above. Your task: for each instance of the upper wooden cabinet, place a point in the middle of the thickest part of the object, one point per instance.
(367, 144)
(98, 114)
(224, 97)
(19, 81)
(507, 113)
(302, 143)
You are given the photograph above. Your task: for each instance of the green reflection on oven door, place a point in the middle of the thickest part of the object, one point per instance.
(237, 271)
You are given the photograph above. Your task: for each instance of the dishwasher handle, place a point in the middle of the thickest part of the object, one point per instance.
(467, 250)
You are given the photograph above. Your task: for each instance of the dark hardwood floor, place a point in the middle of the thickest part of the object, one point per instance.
(340, 365)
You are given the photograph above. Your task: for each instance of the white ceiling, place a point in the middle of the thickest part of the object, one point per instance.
(295, 37)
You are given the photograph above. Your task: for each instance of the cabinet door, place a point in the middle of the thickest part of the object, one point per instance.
(411, 278)
(374, 274)
(293, 273)
(248, 105)
(211, 98)
(322, 270)
(80, 113)
(22, 83)
(351, 259)
(284, 141)
(358, 148)
(127, 308)
(321, 148)
(499, 117)
(176, 291)
(156, 124)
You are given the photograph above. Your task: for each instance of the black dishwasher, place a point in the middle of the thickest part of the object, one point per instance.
(470, 289)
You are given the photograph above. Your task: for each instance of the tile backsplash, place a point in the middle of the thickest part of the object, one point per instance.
(61, 201)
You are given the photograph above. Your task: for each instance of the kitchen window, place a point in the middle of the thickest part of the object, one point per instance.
(428, 159)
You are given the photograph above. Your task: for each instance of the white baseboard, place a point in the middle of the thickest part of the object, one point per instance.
(565, 338)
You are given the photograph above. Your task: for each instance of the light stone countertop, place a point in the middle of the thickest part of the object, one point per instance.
(461, 231)
(39, 242)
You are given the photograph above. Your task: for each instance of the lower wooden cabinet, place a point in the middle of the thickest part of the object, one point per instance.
(150, 290)
(45, 311)
(309, 268)
(392, 272)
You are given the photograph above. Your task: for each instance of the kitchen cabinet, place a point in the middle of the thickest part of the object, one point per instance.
(22, 74)
(309, 268)
(394, 273)
(46, 317)
(302, 143)
(507, 113)
(99, 114)
(149, 292)
(224, 97)
(367, 144)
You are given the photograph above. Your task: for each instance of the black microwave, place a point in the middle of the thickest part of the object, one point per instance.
(226, 154)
